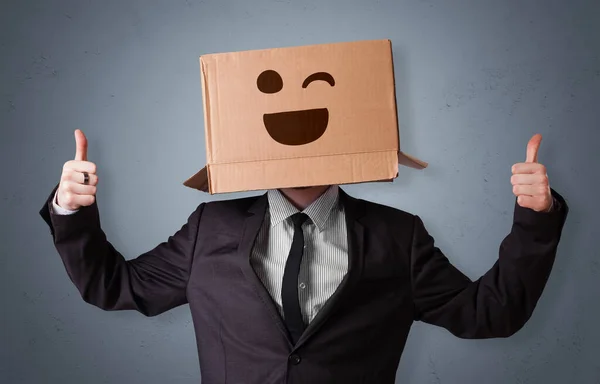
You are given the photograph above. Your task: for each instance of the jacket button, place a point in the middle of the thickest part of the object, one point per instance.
(295, 359)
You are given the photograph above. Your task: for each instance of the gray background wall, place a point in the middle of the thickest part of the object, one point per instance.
(475, 79)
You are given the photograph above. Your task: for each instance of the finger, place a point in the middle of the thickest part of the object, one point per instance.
(528, 179)
(80, 166)
(529, 168)
(80, 145)
(70, 199)
(532, 148)
(530, 190)
(79, 178)
(534, 203)
(78, 189)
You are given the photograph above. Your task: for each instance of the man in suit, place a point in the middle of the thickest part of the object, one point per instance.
(308, 285)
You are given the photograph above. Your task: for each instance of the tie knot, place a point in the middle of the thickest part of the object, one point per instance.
(298, 219)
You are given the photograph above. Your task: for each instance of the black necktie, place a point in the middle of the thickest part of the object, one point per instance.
(289, 290)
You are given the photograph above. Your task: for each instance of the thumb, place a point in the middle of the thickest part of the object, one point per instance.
(532, 148)
(80, 145)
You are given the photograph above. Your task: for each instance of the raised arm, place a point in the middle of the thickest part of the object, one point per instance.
(150, 283)
(500, 302)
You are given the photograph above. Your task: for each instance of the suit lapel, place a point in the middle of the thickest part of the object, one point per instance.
(355, 232)
(252, 224)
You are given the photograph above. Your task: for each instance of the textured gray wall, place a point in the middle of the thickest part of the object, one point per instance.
(475, 79)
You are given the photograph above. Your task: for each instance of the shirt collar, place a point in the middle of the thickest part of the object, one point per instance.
(280, 208)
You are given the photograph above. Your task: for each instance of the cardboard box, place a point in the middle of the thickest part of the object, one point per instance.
(301, 116)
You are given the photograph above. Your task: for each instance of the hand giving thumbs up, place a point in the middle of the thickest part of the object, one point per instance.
(78, 181)
(530, 181)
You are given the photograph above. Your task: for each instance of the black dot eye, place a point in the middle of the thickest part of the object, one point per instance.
(269, 82)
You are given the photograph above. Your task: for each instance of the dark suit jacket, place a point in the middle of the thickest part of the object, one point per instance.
(396, 276)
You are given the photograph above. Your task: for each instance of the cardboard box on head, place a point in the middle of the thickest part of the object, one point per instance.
(301, 116)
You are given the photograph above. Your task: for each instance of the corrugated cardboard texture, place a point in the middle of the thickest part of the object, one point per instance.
(301, 116)
(314, 170)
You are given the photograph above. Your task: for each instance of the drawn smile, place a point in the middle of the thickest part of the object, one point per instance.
(297, 127)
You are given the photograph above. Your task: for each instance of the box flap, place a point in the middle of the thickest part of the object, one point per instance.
(410, 161)
(198, 181)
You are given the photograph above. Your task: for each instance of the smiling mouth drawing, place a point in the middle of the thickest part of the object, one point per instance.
(297, 127)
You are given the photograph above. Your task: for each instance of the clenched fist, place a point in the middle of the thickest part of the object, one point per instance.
(78, 181)
(530, 181)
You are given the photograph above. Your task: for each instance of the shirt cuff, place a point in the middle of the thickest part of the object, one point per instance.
(57, 209)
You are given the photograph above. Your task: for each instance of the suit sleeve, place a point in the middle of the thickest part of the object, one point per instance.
(500, 302)
(151, 283)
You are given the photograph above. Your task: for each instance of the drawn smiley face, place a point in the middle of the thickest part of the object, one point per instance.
(294, 127)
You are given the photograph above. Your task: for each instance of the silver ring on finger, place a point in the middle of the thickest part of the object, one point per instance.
(86, 178)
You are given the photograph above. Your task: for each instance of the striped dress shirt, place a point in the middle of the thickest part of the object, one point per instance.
(325, 259)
